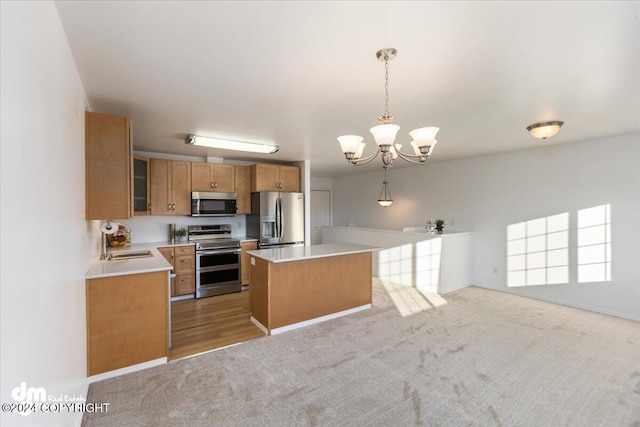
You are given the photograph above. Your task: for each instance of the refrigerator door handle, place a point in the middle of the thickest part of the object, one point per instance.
(281, 221)
(277, 224)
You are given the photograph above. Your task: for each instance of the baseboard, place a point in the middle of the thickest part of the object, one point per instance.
(569, 304)
(319, 319)
(259, 325)
(126, 370)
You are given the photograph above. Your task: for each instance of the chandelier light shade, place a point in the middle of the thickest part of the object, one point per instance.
(350, 143)
(424, 139)
(544, 130)
(226, 144)
(384, 199)
(384, 134)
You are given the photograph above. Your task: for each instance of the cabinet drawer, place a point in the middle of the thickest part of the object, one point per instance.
(185, 250)
(185, 264)
(185, 284)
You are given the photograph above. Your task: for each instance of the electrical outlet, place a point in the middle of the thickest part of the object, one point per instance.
(451, 222)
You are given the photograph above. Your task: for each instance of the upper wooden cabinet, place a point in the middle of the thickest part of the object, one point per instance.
(265, 177)
(141, 186)
(170, 187)
(108, 166)
(243, 190)
(212, 177)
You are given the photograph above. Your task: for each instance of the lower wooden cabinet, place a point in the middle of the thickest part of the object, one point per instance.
(245, 261)
(183, 260)
(127, 320)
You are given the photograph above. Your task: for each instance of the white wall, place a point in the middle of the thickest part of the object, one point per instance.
(318, 183)
(485, 194)
(46, 244)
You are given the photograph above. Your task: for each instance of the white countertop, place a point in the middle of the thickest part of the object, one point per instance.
(123, 267)
(416, 231)
(297, 253)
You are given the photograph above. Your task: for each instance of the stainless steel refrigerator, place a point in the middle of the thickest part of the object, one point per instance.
(277, 219)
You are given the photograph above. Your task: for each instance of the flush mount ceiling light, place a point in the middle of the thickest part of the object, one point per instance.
(544, 130)
(424, 139)
(226, 144)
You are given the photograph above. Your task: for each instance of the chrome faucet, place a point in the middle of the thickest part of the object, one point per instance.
(107, 228)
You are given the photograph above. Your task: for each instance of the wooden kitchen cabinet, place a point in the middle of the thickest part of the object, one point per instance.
(245, 261)
(141, 186)
(108, 166)
(266, 177)
(169, 256)
(170, 187)
(127, 320)
(183, 260)
(243, 190)
(212, 177)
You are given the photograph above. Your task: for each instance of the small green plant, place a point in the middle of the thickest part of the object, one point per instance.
(439, 225)
(181, 232)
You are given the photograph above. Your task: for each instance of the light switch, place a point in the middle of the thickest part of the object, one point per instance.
(253, 261)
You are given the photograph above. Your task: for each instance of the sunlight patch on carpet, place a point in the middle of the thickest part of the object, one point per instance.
(409, 300)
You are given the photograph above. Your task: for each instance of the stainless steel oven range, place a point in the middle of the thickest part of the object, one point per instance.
(217, 260)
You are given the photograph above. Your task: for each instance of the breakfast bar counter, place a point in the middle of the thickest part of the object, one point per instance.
(297, 286)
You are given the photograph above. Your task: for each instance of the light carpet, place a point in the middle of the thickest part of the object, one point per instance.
(483, 358)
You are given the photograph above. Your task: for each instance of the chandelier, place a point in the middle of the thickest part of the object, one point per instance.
(424, 139)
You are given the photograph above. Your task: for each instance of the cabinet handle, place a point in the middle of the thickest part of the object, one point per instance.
(168, 206)
(149, 207)
(173, 207)
(185, 260)
(212, 185)
(215, 185)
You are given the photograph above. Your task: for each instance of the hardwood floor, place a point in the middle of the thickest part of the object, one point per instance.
(199, 325)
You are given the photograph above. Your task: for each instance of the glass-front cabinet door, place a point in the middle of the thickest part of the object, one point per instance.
(141, 205)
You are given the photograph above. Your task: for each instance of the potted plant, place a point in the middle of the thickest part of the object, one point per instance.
(439, 225)
(181, 234)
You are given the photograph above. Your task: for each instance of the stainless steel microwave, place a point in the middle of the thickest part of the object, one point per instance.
(213, 204)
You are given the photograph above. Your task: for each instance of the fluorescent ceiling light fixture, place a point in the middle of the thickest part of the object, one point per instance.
(226, 144)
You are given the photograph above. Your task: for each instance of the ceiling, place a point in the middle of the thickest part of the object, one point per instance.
(302, 73)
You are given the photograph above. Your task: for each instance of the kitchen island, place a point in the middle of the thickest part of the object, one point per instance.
(297, 286)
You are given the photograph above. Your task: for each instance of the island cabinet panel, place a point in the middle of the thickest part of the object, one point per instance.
(245, 261)
(287, 293)
(259, 295)
(127, 321)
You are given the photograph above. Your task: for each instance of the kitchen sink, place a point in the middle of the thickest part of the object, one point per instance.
(129, 255)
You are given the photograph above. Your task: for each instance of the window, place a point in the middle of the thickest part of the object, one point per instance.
(594, 244)
(538, 251)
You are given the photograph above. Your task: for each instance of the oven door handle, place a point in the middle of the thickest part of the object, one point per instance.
(217, 251)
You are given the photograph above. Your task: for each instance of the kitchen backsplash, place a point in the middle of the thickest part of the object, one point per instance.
(146, 229)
